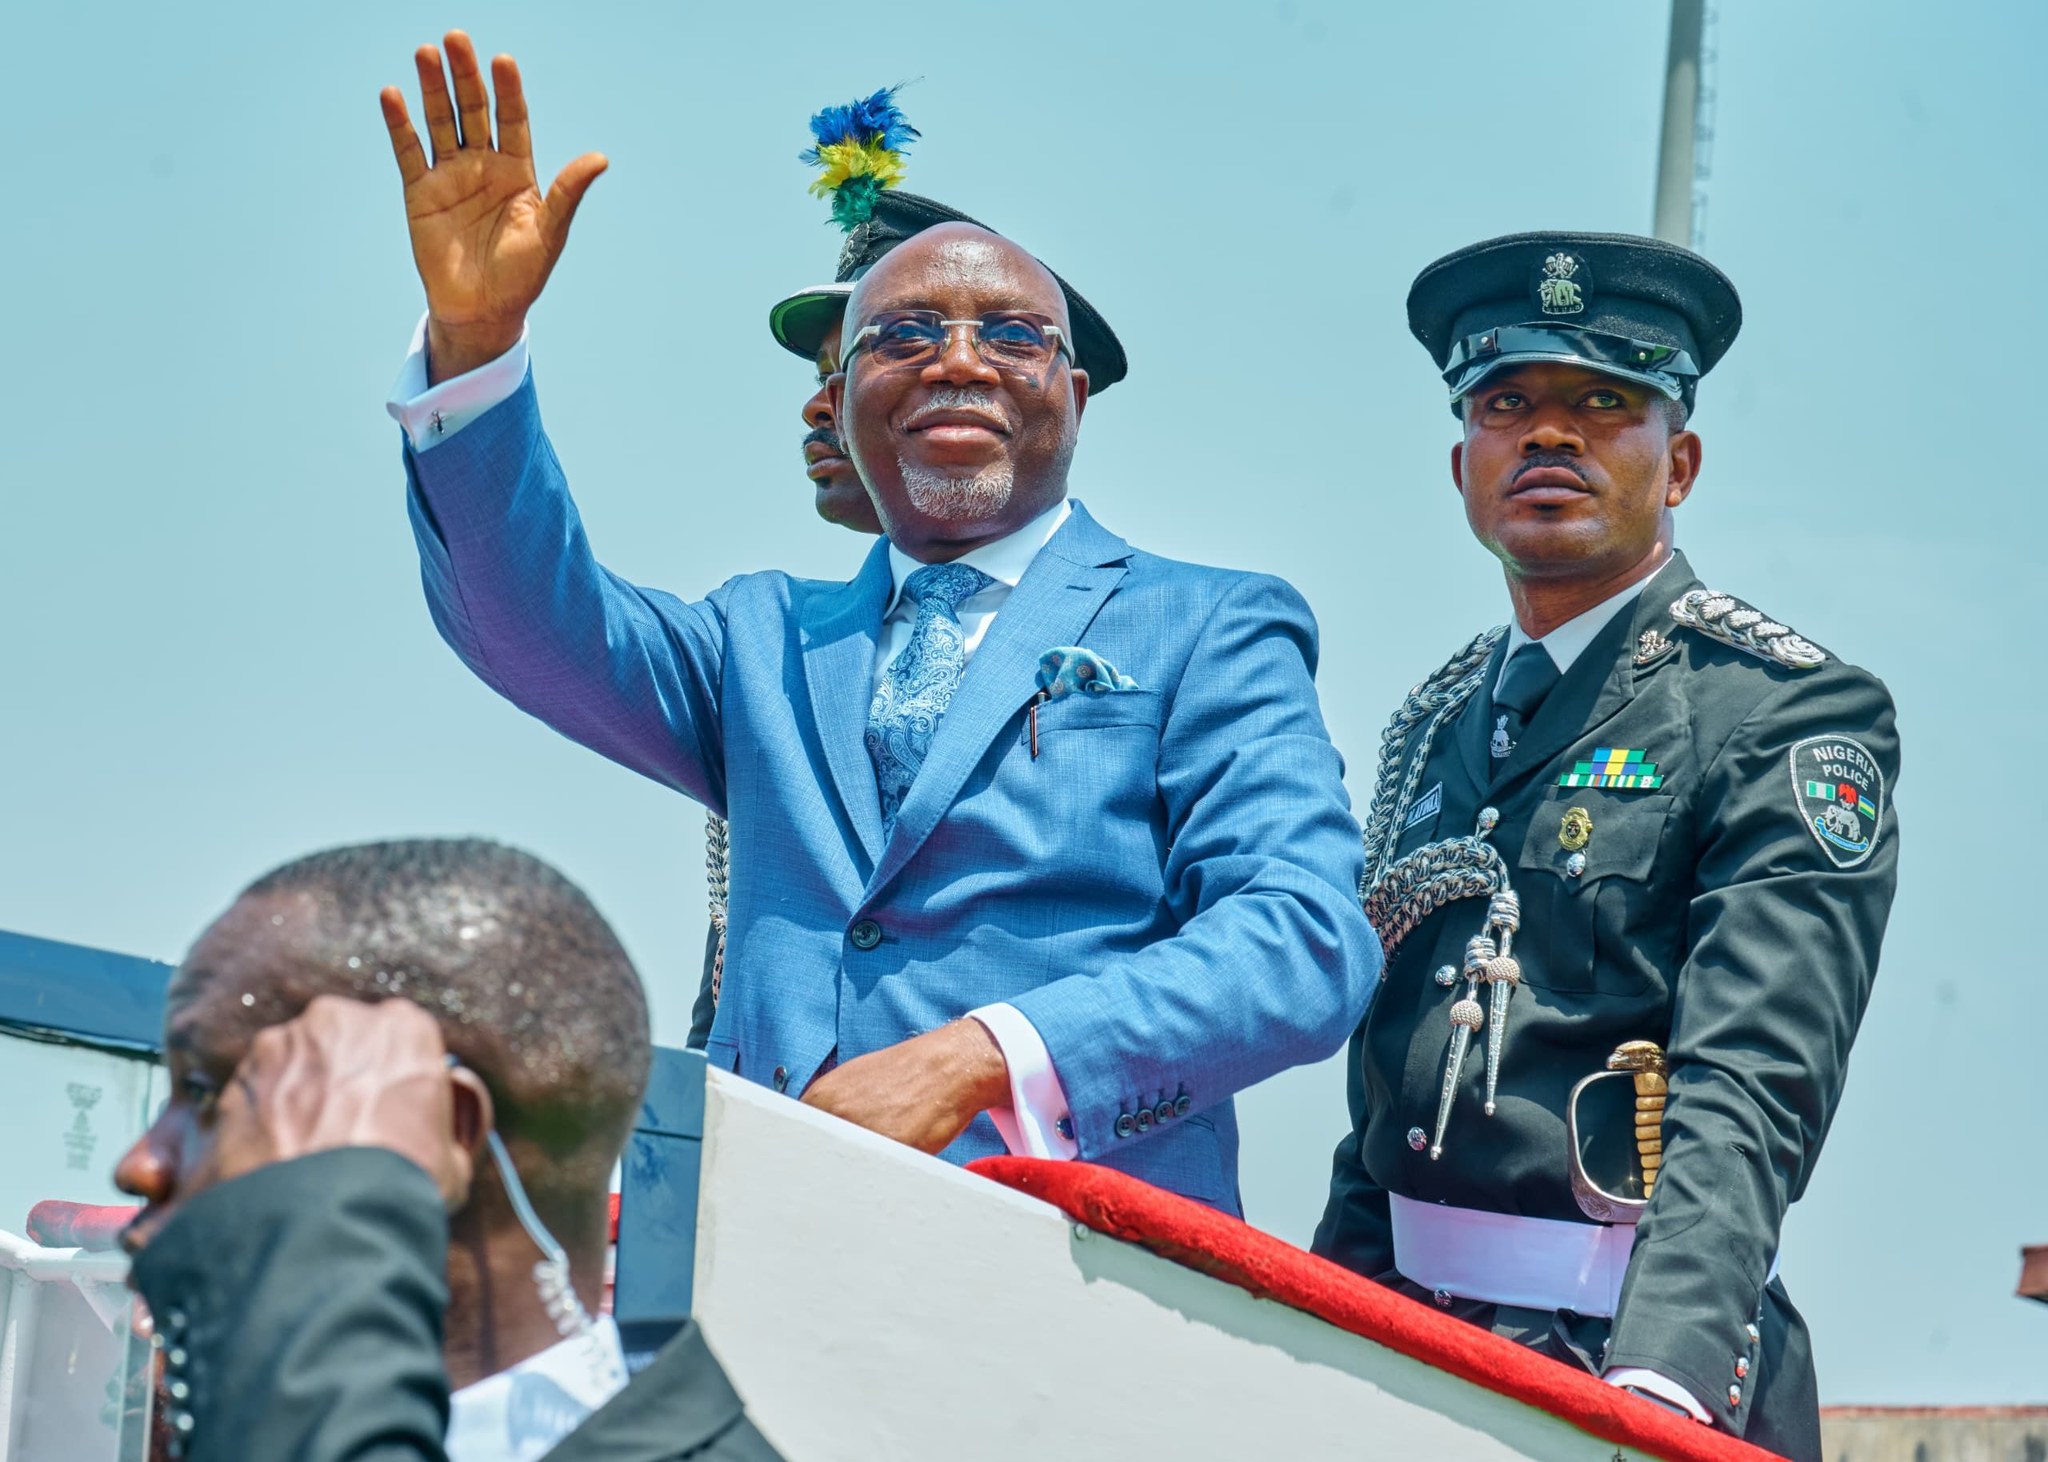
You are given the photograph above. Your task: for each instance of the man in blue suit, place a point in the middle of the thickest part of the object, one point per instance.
(1039, 841)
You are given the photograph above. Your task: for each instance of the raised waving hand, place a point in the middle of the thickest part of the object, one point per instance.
(484, 237)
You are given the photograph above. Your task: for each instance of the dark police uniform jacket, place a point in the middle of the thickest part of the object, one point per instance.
(299, 1308)
(1731, 912)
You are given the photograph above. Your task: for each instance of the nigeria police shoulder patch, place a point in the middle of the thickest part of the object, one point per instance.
(1839, 792)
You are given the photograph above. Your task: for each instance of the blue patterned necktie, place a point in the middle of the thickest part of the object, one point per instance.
(918, 684)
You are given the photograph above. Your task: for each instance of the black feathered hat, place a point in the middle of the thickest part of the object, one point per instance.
(859, 149)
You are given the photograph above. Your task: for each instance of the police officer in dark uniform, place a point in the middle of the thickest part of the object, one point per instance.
(807, 324)
(1631, 857)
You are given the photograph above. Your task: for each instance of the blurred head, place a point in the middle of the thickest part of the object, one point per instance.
(531, 988)
(1572, 473)
(842, 496)
(961, 448)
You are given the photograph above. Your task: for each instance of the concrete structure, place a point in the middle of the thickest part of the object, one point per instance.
(1934, 1433)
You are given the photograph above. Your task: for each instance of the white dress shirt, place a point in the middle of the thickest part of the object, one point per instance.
(1031, 1125)
(1565, 644)
(522, 1413)
(1569, 640)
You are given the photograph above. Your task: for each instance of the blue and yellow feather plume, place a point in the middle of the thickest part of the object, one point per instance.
(859, 152)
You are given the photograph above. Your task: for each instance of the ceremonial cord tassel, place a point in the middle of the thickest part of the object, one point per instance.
(1503, 972)
(1467, 1015)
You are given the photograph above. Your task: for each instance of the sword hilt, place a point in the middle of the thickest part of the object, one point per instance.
(1645, 1061)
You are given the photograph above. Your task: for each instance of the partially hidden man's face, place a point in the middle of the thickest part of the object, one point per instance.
(1570, 473)
(956, 451)
(235, 981)
(842, 496)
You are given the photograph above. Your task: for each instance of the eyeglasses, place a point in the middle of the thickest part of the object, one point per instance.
(1007, 340)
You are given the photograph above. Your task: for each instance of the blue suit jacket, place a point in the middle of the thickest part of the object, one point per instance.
(1168, 890)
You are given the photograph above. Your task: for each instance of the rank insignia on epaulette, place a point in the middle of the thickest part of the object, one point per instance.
(1729, 620)
(1617, 766)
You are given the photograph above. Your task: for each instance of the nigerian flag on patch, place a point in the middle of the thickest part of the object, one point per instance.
(1842, 792)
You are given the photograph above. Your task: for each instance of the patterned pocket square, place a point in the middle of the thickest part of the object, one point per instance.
(1068, 668)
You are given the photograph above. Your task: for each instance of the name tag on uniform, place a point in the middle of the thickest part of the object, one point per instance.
(1428, 805)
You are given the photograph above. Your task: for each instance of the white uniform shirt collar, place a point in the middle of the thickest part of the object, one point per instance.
(1569, 640)
(1004, 560)
(523, 1413)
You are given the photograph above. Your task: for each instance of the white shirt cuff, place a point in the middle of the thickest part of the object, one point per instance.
(1662, 1387)
(432, 414)
(1036, 1122)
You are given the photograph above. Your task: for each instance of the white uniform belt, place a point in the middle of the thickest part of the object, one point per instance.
(1505, 1259)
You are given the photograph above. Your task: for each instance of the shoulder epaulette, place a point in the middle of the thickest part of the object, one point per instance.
(1725, 618)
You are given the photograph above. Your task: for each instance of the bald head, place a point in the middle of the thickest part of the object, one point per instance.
(959, 255)
(967, 444)
(530, 986)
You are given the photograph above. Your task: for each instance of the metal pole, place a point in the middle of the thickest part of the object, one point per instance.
(1681, 117)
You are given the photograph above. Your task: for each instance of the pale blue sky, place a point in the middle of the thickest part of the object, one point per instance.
(217, 655)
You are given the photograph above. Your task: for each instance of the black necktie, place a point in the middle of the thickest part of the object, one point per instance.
(1530, 676)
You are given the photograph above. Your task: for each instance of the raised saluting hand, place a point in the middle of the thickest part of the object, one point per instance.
(484, 238)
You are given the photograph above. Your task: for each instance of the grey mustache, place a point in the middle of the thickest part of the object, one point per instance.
(961, 398)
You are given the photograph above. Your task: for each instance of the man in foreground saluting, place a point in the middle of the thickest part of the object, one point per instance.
(342, 1225)
(1039, 842)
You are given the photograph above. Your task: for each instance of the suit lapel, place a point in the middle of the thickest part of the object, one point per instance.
(1601, 681)
(1051, 605)
(840, 628)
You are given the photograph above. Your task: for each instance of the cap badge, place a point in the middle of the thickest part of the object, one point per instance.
(1559, 291)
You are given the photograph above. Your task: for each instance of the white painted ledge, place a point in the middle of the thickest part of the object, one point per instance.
(871, 1302)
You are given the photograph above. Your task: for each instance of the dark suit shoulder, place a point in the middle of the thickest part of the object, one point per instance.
(680, 1406)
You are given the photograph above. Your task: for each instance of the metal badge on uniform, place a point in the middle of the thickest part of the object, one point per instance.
(1576, 830)
(1428, 805)
(1651, 646)
(1563, 284)
(1839, 792)
(1500, 745)
(1614, 766)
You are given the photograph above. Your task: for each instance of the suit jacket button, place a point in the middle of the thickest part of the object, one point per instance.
(1163, 1113)
(866, 934)
(1065, 1127)
(1125, 1126)
(1181, 1105)
(782, 1078)
(1144, 1119)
